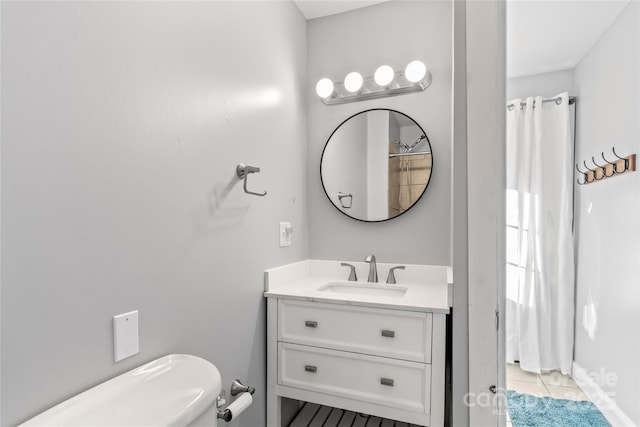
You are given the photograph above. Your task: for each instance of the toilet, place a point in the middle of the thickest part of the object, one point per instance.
(173, 391)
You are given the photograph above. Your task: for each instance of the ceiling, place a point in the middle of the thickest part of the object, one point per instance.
(544, 36)
(318, 8)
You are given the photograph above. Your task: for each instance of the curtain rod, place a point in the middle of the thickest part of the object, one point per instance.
(557, 100)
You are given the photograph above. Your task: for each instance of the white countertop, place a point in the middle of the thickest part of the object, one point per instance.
(428, 286)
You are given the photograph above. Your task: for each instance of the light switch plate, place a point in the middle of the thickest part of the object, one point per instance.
(285, 234)
(125, 335)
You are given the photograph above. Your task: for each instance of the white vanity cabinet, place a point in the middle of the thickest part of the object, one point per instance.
(380, 361)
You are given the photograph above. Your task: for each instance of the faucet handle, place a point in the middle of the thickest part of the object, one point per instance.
(391, 278)
(352, 273)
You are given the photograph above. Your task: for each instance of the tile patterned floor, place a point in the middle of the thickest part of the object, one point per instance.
(552, 384)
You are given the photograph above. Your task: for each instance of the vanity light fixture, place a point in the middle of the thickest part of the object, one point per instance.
(384, 75)
(324, 88)
(353, 82)
(385, 82)
(415, 71)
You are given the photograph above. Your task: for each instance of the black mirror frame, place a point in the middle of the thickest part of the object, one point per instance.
(324, 188)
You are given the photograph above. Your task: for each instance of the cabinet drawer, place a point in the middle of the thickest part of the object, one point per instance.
(390, 333)
(388, 382)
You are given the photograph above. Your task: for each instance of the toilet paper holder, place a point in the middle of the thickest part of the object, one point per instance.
(237, 387)
(231, 411)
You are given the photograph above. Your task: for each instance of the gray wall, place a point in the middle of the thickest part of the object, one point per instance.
(607, 212)
(546, 85)
(122, 126)
(394, 33)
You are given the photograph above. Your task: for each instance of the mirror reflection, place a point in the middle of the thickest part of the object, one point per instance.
(376, 165)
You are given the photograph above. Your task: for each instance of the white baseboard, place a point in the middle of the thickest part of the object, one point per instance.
(600, 398)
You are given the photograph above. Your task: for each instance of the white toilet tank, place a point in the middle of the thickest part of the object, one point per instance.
(175, 390)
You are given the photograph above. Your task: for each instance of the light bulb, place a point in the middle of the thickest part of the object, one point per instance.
(415, 71)
(353, 81)
(384, 75)
(324, 88)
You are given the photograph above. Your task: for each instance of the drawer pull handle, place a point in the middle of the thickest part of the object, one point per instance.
(312, 369)
(388, 334)
(386, 381)
(311, 324)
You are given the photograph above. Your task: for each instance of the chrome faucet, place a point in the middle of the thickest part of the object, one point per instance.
(373, 270)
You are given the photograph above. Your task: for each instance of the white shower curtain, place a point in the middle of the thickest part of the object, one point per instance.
(540, 257)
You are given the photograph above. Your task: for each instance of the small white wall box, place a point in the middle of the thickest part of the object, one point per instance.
(285, 234)
(125, 335)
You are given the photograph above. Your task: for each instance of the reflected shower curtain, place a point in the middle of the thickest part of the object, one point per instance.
(540, 256)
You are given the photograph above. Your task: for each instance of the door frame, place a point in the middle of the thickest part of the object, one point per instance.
(479, 182)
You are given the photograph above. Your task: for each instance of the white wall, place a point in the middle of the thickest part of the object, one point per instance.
(120, 122)
(607, 214)
(377, 165)
(348, 147)
(546, 85)
(391, 33)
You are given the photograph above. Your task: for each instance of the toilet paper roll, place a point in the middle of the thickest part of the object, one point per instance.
(241, 403)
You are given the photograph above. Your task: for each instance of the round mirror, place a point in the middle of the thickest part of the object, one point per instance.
(376, 165)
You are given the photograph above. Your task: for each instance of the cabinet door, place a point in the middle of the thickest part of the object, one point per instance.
(389, 382)
(390, 333)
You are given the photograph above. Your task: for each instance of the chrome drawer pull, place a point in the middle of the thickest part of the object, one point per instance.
(311, 324)
(312, 369)
(389, 334)
(386, 381)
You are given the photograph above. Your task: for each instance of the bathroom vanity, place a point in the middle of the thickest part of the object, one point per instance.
(371, 348)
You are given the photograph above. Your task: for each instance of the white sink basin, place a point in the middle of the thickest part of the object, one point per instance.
(368, 289)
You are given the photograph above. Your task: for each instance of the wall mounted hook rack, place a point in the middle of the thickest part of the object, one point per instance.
(610, 169)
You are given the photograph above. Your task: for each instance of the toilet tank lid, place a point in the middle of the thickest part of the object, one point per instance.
(173, 390)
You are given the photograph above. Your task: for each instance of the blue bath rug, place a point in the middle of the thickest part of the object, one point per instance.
(530, 411)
